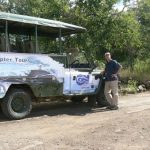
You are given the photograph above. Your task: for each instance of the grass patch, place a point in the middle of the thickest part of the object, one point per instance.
(141, 72)
(129, 88)
(132, 78)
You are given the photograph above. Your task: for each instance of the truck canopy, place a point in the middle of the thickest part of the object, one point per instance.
(21, 24)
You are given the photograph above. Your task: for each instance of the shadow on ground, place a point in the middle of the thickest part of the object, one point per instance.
(58, 108)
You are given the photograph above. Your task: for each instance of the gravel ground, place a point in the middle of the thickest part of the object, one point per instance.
(66, 126)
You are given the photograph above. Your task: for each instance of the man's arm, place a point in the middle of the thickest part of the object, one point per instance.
(120, 67)
(118, 70)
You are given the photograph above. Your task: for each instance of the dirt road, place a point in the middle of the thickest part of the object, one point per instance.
(77, 127)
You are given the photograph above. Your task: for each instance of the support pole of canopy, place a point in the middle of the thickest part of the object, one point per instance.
(60, 42)
(6, 36)
(36, 40)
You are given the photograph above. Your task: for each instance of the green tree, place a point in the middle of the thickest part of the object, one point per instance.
(125, 37)
(3, 5)
(95, 16)
(40, 8)
(107, 29)
(143, 15)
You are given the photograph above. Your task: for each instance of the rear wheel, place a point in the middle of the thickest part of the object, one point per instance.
(16, 104)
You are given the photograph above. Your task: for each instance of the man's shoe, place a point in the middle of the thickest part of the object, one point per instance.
(108, 107)
(114, 108)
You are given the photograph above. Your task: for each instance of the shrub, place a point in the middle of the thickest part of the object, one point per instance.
(141, 72)
(132, 86)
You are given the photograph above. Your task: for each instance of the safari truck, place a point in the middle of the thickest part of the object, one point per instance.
(27, 76)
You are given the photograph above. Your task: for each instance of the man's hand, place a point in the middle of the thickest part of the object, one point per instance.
(98, 76)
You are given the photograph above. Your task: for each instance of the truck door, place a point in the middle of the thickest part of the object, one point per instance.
(81, 82)
(81, 78)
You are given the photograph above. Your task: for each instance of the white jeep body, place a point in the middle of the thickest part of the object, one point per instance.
(45, 76)
(27, 76)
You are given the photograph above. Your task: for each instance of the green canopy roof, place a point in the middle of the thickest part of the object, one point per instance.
(26, 25)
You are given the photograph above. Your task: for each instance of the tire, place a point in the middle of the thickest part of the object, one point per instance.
(16, 104)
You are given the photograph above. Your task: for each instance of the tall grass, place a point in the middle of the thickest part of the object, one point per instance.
(140, 73)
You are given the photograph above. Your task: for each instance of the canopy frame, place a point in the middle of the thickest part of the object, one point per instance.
(37, 27)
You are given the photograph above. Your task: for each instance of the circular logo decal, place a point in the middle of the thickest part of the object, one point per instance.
(82, 79)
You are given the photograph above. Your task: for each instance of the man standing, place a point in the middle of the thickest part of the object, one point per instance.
(112, 69)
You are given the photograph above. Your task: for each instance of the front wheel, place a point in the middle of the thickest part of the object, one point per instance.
(16, 104)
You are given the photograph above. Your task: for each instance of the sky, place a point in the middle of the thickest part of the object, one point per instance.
(119, 5)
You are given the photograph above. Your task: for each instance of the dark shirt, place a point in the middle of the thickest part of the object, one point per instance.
(111, 68)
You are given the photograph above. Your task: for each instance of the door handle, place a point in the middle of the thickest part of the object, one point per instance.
(74, 77)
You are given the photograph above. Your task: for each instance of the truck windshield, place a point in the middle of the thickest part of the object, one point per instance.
(61, 59)
(79, 57)
(79, 60)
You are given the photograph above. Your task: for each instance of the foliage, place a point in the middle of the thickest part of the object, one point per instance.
(142, 66)
(143, 14)
(126, 34)
(130, 88)
(141, 72)
(95, 16)
(132, 85)
(3, 5)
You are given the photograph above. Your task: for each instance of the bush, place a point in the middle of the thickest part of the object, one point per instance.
(141, 72)
(132, 78)
(132, 86)
(129, 88)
